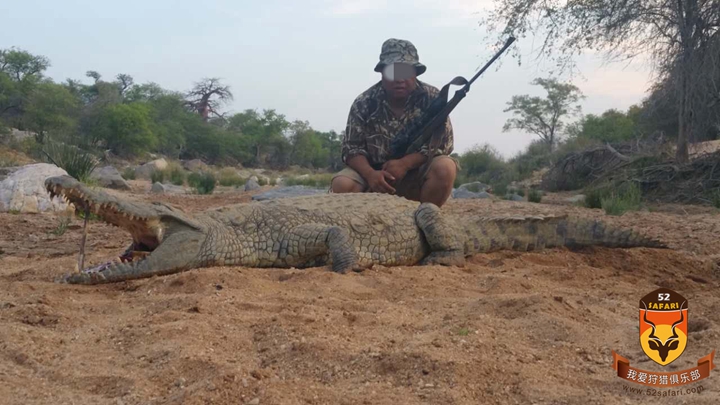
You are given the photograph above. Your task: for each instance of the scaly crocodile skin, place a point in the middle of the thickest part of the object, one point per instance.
(345, 231)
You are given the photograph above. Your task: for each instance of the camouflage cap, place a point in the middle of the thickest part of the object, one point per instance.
(399, 51)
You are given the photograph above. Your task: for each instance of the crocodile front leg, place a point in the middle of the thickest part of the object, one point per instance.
(304, 243)
(446, 247)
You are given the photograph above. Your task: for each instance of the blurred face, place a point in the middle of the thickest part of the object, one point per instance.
(398, 79)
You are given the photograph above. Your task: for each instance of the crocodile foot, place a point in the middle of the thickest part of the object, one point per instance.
(444, 258)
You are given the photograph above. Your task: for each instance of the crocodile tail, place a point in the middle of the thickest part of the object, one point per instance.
(531, 233)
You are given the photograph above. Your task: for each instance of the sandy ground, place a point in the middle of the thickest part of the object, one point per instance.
(509, 328)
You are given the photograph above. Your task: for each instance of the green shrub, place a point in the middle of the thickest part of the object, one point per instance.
(229, 177)
(157, 176)
(262, 182)
(626, 198)
(593, 197)
(175, 173)
(500, 188)
(534, 196)
(128, 173)
(715, 197)
(202, 183)
(76, 162)
(62, 226)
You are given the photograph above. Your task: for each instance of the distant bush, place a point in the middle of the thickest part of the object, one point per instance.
(486, 165)
(174, 173)
(157, 176)
(715, 196)
(534, 196)
(229, 177)
(128, 173)
(593, 197)
(317, 181)
(28, 146)
(627, 198)
(202, 183)
(500, 189)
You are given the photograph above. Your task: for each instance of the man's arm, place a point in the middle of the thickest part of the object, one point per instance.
(400, 167)
(354, 153)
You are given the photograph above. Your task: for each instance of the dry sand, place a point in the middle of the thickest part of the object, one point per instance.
(509, 328)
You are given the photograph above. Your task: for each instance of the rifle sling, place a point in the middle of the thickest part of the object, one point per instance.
(427, 131)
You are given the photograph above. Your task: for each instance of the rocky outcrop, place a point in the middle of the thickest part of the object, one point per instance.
(161, 188)
(109, 177)
(24, 190)
(146, 170)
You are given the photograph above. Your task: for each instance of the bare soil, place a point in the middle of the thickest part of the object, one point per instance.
(509, 328)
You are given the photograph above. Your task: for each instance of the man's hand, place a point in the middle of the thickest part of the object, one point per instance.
(377, 181)
(397, 168)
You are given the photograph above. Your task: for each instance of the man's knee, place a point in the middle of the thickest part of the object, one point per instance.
(342, 184)
(443, 170)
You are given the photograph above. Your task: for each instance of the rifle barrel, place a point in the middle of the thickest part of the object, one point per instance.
(487, 65)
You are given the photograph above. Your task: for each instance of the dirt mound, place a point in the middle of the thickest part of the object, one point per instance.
(509, 328)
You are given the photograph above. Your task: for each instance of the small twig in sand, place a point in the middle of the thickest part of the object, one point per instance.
(81, 257)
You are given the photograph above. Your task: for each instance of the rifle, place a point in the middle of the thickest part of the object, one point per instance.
(418, 132)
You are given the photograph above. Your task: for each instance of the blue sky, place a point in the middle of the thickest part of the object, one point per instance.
(308, 60)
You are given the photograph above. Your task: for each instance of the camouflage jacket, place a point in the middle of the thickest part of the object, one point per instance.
(372, 124)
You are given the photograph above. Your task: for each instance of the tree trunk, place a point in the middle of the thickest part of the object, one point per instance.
(687, 19)
(681, 154)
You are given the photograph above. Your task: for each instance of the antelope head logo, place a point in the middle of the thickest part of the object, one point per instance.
(664, 338)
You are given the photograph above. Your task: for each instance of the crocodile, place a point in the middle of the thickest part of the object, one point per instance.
(345, 232)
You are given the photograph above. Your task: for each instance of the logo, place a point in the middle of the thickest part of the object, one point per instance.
(663, 317)
(663, 325)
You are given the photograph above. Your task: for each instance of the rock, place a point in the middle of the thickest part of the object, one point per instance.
(146, 170)
(24, 190)
(290, 191)
(576, 199)
(20, 135)
(252, 184)
(515, 197)
(5, 171)
(464, 193)
(244, 174)
(109, 177)
(474, 187)
(160, 188)
(195, 165)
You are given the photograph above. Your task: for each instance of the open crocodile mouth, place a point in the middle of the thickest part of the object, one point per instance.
(146, 231)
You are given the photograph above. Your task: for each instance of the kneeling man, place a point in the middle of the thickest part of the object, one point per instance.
(376, 116)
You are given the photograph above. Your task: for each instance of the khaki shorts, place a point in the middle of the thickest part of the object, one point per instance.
(410, 185)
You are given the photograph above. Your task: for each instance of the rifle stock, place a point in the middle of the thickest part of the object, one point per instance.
(420, 131)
